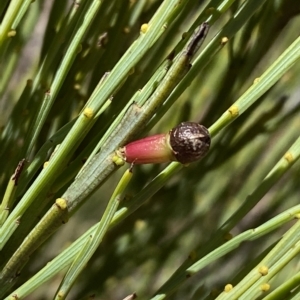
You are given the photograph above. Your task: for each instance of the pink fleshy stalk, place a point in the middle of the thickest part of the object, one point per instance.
(150, 150)
(185, 143)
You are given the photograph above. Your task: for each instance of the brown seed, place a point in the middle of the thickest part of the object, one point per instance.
(189, 141)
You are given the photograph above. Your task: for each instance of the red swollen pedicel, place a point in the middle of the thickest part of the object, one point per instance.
(185, 143)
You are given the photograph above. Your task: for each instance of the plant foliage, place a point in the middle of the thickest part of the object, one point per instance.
(79, 80)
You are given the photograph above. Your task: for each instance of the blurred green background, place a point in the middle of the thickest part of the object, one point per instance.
(144, 250)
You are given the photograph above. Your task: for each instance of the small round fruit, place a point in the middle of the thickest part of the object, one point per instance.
(189, 141)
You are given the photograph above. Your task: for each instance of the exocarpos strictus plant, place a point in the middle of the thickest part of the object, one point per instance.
(149, 149)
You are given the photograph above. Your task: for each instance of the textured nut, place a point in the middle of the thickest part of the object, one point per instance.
(189, 141)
